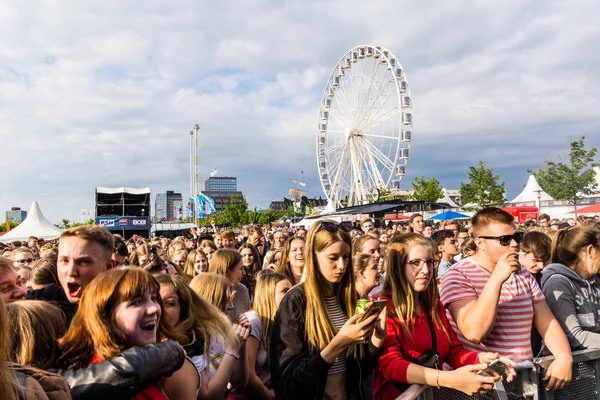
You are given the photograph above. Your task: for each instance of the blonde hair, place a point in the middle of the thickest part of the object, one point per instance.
(189, 269)
(264, 303)
(320, 329)
(224, 260)
(93, 233)
(214, 288)
(395, 282)
(35, 328)
(198, 318)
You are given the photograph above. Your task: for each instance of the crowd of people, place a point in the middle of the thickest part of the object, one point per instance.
(266, 312)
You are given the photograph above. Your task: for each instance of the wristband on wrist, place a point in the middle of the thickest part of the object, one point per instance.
(232, 354)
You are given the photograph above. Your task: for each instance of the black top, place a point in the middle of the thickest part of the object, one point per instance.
(56, 295)
(297, 370)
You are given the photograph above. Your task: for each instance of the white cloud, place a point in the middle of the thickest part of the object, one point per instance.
(102, 93)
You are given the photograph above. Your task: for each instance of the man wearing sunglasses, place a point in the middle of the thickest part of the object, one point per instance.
(493, 300)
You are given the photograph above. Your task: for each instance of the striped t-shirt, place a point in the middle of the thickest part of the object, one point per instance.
(339, 319)
(511, 334)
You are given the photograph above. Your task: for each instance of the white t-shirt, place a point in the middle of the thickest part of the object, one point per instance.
(263, 370)
(211, 361)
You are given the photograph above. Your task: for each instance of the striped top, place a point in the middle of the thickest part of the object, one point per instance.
(339, 319)
(511, 334)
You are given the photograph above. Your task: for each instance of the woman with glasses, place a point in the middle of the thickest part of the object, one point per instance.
(320, 349)
(419, 338)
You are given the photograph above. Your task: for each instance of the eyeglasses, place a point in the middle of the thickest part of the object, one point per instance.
(506, 239)
(24, 261)
(333, 227)
(418, 264)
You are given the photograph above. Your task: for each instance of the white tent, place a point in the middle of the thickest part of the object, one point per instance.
(446, 199)
(34, 225)
(530, 192)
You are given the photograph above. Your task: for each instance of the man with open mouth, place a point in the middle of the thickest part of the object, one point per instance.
(84, 252)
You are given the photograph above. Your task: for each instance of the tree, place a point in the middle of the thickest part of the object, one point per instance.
(573, 180)
(427, 190)
(235, 212)
(13, 225)
(483, 188)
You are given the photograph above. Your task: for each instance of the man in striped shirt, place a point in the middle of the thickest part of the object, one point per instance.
(492, 300)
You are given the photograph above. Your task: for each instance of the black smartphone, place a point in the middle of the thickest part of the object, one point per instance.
(496, 367)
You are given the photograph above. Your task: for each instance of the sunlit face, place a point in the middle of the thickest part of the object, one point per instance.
(247, 258)
(296, 255)
(277, 258)
(418, 224)
(236, 273)
(492, 247)
(372, 248)
(131, 248)
(333, 261)
(427, 231)
(281, 288)
(180, 259)
(228, 243)
(419, 267)
(25, 275)
(449, 247)
(200, 263)
(366, 226)
(301, 233)
(80, 261)
(11, 287)
(279, 238)
(453, 228)
(543, 222)
(370, 276)
(172, 308)
(143, 258)
(462, 236)
(23, 258)
(532, 264)
(138, 319)
(384, 238)
(208, 251)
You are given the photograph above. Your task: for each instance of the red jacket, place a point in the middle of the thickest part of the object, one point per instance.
(400, 350)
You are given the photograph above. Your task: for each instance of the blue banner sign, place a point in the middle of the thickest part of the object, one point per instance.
(124, 223)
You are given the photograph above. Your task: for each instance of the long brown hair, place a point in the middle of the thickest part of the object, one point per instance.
(395, 282)
(319, 326)
(35, 328)
(284, 266)
(224, 260)
(264, 304)
(255, 255)
(568, 242)
(7, 387)
(94, 330)
(197, 317)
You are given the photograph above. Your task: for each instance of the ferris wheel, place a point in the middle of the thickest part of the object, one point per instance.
(364, 127)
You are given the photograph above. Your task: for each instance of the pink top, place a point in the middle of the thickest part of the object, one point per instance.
(511, 334)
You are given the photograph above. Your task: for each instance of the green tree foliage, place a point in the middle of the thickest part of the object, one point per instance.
(484, 188)
(427, 190)
(235, 213)
(573, 180)
(13, 225)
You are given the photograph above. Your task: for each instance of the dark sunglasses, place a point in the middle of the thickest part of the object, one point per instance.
(346, 226)
(506, 239)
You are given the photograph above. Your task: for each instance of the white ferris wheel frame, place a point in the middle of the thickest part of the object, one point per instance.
(353, 169)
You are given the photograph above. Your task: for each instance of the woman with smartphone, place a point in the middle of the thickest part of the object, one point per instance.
(319, 349)
(419, 337)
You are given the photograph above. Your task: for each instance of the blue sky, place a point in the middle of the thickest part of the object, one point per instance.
(104, 93)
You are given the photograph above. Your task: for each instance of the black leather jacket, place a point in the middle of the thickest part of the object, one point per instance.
(297, 370)
(125, 374)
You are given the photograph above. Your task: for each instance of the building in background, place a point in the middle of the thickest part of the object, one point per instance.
(222, 189)
(168, 206)
(15, 214)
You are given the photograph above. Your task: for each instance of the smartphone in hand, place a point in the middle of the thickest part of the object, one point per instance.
(496, 367)
(376, 307)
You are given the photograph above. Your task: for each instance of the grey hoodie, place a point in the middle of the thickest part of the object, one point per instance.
(575, 302)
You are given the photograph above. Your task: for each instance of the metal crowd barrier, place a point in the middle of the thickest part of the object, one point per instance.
(528, 384)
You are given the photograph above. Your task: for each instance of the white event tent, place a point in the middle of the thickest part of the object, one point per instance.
(531, 191)
(446, 199)
(34, 225)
